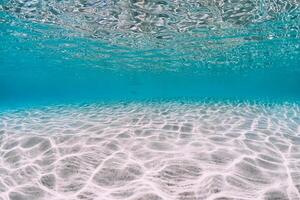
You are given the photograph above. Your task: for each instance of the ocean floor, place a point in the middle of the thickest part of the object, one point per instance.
(151, 151)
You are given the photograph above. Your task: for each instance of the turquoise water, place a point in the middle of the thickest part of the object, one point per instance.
(149, 99)
(62, 61)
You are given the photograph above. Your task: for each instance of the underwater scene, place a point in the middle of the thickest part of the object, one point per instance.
(149, 99)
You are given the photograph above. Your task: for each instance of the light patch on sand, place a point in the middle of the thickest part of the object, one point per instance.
(151, 152)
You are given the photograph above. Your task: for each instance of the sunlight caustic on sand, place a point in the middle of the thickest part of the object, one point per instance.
(151, 151)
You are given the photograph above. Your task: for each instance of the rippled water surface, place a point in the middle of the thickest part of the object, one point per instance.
(59, 51)
(149, 99)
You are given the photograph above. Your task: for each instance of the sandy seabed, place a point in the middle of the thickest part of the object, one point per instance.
(151, 151)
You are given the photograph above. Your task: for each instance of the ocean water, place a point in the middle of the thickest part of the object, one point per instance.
(149, 99)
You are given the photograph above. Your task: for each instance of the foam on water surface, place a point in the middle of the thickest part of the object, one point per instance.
(151, 151)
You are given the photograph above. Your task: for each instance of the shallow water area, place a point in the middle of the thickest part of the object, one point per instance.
(165, 150)
(149, 100)
(87, 51)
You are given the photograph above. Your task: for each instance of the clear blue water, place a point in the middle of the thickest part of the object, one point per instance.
(149, 99)
(45, 62)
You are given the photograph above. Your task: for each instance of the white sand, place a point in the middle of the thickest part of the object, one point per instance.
(151, 152)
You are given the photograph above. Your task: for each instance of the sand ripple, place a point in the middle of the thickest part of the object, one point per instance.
(151, 152)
